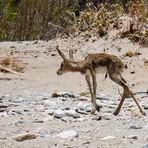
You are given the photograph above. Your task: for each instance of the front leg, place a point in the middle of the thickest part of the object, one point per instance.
(93, 99)
(94, 89)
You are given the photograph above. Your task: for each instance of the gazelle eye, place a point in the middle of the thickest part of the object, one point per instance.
(62, 65)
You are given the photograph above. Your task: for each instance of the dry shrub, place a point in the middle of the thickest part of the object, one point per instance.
(85, 93)
(12, 64)
(131, 54)
(97, 20)
(30, 19)
(139, 10)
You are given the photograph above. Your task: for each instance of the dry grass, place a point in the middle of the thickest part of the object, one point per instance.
(11, 65)
(98, 21)
(139, 9)
(131, 54)
(93, 21)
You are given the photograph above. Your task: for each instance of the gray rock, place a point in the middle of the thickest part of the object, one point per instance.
(59, 113)
(50, 112)
(17, 112)
(2, 138)
(48, 118)
(146, 138)
(145, 146)
(135, 127)
(3, 109)
(72, 113)
(20, 122)
(62, 94)
(88, 109)
(66, 119)
(48, 103)
(64, 98)
(69, 134)
(37, 121)
(86, 106)
(43, 97)
(3, 114)
(145, 106)
(81, 119)
(102, 97)
(3, 106)
(132, 137)
(145, 127)
(1, 101)
(107, 116)
(97, 118)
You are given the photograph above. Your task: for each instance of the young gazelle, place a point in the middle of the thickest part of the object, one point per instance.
(98, 62)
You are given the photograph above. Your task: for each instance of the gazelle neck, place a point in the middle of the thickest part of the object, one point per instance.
(76, 66)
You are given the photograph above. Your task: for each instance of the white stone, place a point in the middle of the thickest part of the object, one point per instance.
(72, 113)
(69, 134)
(85, 106)
(108, 137)
(59, 113)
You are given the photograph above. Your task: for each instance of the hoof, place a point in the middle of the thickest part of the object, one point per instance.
(116, 113)
(93, 111)
(143, 113)
(98, 107)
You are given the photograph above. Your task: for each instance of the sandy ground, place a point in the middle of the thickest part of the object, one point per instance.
(128, 129)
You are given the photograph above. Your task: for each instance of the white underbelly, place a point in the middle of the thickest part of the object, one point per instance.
(101, 69)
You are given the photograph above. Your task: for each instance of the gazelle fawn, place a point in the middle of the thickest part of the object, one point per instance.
(98, 62)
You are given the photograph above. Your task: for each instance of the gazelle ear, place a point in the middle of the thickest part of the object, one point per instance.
(71, 54)
(60, 53)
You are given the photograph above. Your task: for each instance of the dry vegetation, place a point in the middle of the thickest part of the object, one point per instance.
(100, 20)
(29, 20)
(11, 65)
(131, 23)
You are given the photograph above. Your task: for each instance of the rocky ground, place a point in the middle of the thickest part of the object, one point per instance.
(40, 109)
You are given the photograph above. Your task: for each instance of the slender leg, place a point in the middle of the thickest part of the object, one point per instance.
(94, 89)
(87, 77)
(126, 93)
(120, 104)
(142, 112)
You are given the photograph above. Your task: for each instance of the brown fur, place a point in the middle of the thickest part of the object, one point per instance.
(89, 66)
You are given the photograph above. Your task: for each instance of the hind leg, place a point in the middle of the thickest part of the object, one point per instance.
(126, 93)
(142, 112)
(117, 80)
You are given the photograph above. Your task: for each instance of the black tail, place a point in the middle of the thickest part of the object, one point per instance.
(105, 75)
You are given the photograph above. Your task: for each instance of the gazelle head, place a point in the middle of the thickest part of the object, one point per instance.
(66, 63)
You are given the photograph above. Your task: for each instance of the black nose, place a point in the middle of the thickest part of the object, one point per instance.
(58, 73)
